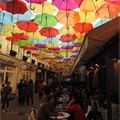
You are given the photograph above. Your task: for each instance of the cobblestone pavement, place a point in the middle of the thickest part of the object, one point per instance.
(18, 112)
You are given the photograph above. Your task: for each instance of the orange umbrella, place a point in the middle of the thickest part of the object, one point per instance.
(83, 27)
(68, 18)
(91, 5)
(108, 10)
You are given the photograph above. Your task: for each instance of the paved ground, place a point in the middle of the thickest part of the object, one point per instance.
(18, 112)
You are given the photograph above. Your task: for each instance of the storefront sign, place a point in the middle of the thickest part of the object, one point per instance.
(7, 61)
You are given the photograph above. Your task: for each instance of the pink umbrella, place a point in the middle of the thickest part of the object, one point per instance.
(77, 45)
(67, 47)
(67, 4)
(41, 46)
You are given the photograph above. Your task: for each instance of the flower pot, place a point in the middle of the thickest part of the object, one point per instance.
(13, 53)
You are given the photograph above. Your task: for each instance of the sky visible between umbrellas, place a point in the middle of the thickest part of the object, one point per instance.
(53, 30)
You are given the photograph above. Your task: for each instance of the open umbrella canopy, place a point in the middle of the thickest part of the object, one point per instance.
(47, 7)
(67, 4)
(28, 26)
(69, 18)
(83, 27)
(53, 30)
(35, 1)
(16, 7)
(45, 20)
(68, 38)
(49, 32)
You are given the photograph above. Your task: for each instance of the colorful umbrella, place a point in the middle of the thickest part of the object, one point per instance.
(67, 4)
(12, 28)
(49, 32)
(20, 36)
(6, 18)
(91, 5)
(23, 17)
(28, 26)
(64, 30)
(16, 7)
(78, 40)
(22, 43)
(46, 7)
(87, 17)
(2, 6)
(41, 45)
(83, 27)
(71, 18)
(45, 20)
(67, 47)
(12, 39)
(99, 22)
(34, 35)
(68, 38)
(108, 10)
(35, 1)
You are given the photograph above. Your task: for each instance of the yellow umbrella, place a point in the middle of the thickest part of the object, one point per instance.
(34, 35)
(87, 16)
(46, 7)
(91, 5)
(6, 34)
(64, 30)
(12, 28)
(53, 45)
(65, 53)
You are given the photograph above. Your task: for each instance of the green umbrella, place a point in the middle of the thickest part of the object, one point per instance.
(41, 56)
(78, 40)
(22, 42)
(45, 20)
(43, 49)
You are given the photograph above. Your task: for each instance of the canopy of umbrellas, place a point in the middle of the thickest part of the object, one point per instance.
(54, 30)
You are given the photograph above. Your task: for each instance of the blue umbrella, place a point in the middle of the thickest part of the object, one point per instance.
(50, 40)
(6, 18)
(66, 43)
(23, 17)
(100, 22)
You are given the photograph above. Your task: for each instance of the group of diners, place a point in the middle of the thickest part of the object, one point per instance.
(68, 103)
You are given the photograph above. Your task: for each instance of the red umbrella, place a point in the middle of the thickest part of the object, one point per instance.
(67, 4)
(28, 26)
(16, 7)
(55, 49)
(2, 6)
(68, 38)
(49, 32)
(20, 36)
(12, 39)
(83, 27)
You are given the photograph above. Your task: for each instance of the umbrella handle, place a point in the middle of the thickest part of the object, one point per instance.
(31, 7)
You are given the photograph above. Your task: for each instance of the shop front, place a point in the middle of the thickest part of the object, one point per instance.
(8, 70)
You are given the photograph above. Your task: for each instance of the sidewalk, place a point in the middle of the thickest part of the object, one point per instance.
(19, 112)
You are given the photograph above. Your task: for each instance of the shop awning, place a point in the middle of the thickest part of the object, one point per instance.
(95, 39)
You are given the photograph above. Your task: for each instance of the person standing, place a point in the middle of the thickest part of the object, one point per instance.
(30, 92)
(19, 87)
(5, 91)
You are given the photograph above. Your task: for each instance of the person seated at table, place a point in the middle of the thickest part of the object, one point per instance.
(75, 108)
(45, 108)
